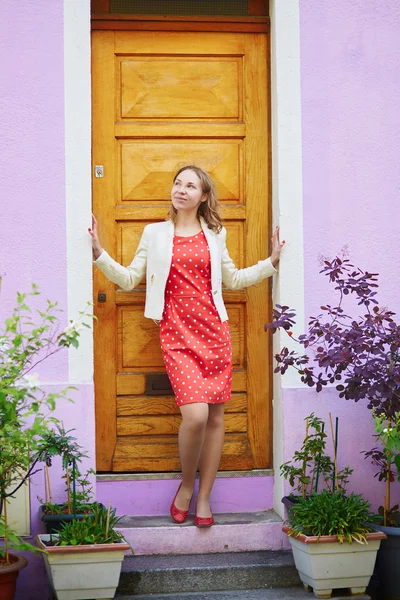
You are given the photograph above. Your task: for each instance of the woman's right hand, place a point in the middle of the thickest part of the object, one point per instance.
(93, 232)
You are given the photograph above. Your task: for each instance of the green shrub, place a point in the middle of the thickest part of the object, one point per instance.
(96, 529)
(331, 514)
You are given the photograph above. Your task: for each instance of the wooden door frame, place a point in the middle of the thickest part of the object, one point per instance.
(101, 20)
(257, 22)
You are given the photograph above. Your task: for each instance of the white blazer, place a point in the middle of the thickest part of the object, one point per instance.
(154, 255)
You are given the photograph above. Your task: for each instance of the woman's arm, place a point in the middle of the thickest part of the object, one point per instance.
(237, 279)
(126, 278)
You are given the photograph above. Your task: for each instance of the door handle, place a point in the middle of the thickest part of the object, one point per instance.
(102, 297)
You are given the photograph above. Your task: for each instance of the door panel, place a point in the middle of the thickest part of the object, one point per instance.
(161, 100)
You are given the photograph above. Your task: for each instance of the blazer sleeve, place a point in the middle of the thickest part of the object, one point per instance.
(237, 279)
(129, 277)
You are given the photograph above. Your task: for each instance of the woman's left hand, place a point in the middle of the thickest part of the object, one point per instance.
(276, 247)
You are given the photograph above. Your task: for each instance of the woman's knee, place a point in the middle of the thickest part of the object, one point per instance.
(216, 416)
(195, 416)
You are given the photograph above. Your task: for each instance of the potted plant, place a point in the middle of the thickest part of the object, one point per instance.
(332, 545)
(359, 355)
(387, 458)
(79, 490)
(25, 412)
(83, 560)
(328, 517)
(310, 465)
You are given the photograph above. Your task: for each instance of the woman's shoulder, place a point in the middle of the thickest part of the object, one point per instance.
(156, 228)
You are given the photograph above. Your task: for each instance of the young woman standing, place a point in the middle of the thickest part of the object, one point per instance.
(186, 261)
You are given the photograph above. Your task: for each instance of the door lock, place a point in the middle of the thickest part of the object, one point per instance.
(102, 297)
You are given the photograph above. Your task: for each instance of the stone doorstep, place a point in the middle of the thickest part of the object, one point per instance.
(232, 532)
(185, 574)
(271, 594)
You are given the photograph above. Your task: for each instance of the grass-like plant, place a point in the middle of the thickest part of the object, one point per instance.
(331, 514)
(99, 528)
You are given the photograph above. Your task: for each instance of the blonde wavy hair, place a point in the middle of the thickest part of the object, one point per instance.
(210, 209)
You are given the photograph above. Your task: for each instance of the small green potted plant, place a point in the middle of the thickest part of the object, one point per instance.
(78, 486)
(311, 465)
(332, 545)
(387, 458)
(83, 560)
(323, 525)
(26, 413)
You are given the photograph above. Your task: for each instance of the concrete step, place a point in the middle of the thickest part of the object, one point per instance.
(185, 574)
(232, 532)
(273, 594)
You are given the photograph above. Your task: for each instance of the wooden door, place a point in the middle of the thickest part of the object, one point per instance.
(161, 100)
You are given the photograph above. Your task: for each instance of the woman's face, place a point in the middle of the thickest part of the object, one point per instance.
(187, 192)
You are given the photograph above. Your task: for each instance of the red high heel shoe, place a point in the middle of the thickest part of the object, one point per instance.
(178, 515)
(203, 521)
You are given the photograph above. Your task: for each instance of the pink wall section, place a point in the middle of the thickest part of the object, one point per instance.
(32, 181)
(350, 87)
(230, 495)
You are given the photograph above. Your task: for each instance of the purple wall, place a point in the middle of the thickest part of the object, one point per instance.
(32, 180)
(350, 86)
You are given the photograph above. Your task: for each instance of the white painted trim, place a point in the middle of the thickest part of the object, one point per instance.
(19, 510)
(77, 96)
(287, 195)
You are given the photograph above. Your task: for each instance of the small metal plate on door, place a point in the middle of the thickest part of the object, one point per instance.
(158, 384)
(99, 171)
(101, 297)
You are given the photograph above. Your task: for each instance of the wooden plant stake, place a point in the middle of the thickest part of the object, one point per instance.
(335, 479)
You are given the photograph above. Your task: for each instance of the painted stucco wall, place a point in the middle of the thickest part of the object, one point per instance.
(350, 89)
(32, 180)
(34, 222)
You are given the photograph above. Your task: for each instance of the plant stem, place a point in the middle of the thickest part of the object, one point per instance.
(5, 533)
(386, 506)
(68, 490)
(318, 463)
(108, 518)
(336, 448)
(334, 454)
(303, 485)
(74, 485)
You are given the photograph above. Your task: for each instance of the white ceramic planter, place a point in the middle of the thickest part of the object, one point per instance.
(82, 572)
(325, 565)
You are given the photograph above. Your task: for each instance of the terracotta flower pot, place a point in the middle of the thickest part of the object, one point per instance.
(9, 574)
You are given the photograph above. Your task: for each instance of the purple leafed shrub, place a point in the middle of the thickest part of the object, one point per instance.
(358, 354)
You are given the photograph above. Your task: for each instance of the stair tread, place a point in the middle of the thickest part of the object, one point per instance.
(264, 558)
(270, 594)
(267, 516)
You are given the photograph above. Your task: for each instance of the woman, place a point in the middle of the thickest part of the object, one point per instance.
(186, 261)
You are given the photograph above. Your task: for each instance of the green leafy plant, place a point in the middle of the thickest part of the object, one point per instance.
(331, 514)
(100, 528)
(310, 464)
(26, 411)
(78, 488)
(387, 459)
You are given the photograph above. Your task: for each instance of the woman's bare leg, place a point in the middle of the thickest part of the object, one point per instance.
(210, 457)
(191, 438)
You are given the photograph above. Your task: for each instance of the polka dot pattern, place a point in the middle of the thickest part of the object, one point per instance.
(196, 345)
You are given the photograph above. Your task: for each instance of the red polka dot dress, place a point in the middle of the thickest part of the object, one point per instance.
(196, 345)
